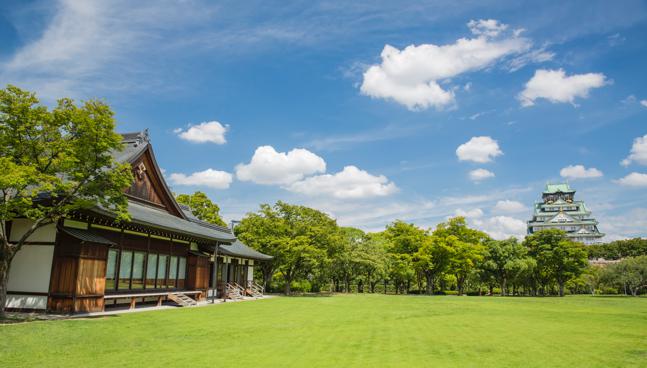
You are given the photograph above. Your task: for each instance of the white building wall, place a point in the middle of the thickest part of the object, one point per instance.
(31, 267)
(46, 233)
(250, 273)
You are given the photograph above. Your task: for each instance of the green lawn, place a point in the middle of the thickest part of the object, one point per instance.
(347, 331)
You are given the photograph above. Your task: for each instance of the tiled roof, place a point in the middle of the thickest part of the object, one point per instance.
(238, 249)
(561, 187)
(87, 236)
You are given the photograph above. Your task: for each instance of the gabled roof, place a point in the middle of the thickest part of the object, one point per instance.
(560, 187)
(136, 144)
(561, 218)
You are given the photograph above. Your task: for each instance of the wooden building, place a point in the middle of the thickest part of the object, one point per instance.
(88, 262)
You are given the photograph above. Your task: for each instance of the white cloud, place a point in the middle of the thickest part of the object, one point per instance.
(633, 180)
(486, 27)
(479, 149)
(535, 56)
(481, 174)
(502, 227)
(208, 178)
(555, 86)
(643, 102)
(209, 131)
(350, 183)
(508, 206)
(470, 214)
(268, 166)
(574, 172)
(638, 152)
(87, 48)
(411, 76)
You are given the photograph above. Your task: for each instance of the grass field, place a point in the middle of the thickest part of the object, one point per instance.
(347, 331)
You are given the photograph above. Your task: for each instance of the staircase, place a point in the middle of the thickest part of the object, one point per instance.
(234, 291)
(182, 300)
(256, 290)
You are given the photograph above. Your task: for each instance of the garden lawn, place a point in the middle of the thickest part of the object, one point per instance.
(347, 331)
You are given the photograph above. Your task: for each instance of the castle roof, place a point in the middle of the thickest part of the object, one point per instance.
(560, 187)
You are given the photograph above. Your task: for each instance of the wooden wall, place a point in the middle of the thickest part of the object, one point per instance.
(198, 274)
(78, 276)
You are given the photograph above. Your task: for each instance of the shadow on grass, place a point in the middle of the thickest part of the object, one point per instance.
(307, 295)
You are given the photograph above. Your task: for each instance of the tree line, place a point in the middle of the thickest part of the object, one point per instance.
(312, 253)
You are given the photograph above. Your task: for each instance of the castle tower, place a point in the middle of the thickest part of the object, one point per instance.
(559, 210)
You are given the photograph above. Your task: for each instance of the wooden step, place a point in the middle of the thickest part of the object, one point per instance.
(182, 300)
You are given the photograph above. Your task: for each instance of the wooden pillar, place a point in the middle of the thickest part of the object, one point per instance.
(214, 281)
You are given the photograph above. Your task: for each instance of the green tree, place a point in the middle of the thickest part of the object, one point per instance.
(631, 273)
(202, 207)
(466, 247)
(618, 249)
(434, 257)
(54, 162)
(558, 258)
(504, 260)
(298, 237)
(404, 241)
(374, 259)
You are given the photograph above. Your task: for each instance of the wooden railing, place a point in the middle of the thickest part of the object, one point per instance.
(257, 290)
(233, 291)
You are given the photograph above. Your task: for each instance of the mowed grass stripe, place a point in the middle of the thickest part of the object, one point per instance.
(348, 331)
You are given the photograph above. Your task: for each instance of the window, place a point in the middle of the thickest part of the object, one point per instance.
(181, 273)
(161, 271)
(111, 269)
(125, 269)
(172, 272)
(138, 271)
(151, 271)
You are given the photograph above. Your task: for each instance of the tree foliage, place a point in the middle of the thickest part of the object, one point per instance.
(54, 162)
(202, 207)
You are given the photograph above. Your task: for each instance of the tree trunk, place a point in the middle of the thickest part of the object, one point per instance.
(287, 286)
(5, 264)
(267, 275)
(385, 284)
(503, 286)
(430, 283)
(561, 289)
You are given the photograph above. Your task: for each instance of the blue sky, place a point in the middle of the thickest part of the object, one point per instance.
(371, 112)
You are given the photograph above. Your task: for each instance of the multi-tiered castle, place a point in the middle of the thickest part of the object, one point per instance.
(559, 210)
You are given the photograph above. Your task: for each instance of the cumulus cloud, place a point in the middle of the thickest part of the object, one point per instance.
(579, 172)
(481, 174)
(502, 227)
(470, 214)
(350, 183)
(479, 149)
(268, 166)
(643, 102)
(208, 178)
(555, 86)
(638, 152)
(508, 206)
(209, 131)
(411, 76)
(634, 180)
